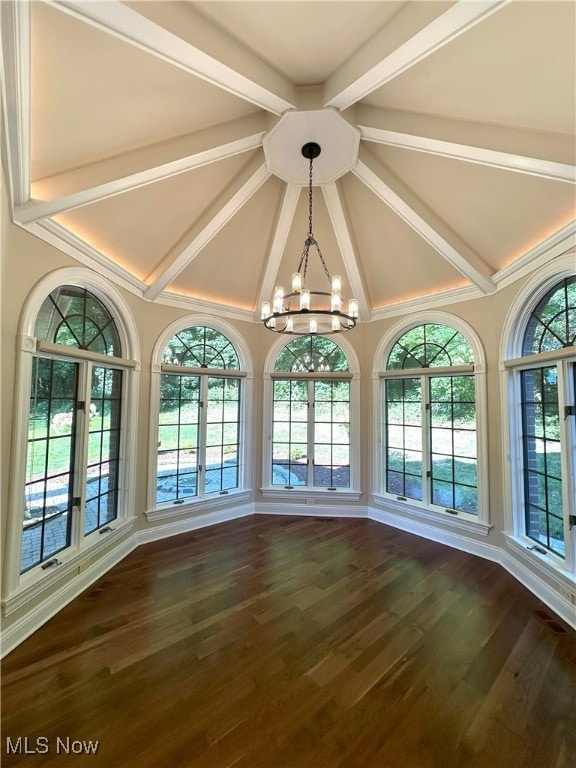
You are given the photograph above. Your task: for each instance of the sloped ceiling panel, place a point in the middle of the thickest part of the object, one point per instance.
(138, 128)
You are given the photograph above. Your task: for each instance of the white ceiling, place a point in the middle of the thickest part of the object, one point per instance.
(135, 138)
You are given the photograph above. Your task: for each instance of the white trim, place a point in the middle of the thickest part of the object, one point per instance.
(33, 211)
(436, 301)
(302, 495)
(57, 600)
(344, 240)
(68, 242)
(421, 515)
(560, 596)
(176, 524)
(269, 374)
(414, 212)
(15, 27)
(344, 89)
(199, 235)
(540, 256)
(379, 365)
(26, 346)
(120, 21)
(546, 169)
(246, 436)
(311, 510)
(281, 232)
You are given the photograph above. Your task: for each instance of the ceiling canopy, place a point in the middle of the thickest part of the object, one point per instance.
(159, 142)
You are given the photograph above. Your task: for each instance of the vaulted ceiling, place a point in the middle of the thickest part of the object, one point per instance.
(159, 142)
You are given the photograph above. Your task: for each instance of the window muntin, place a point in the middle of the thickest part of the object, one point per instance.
(404, 437)
(50, 461)
(103, 468)
(430, 420)
(310, 354)
(429, 345)
(74, 430)
(547, 453)
(552, 323)
(311, 416)
(201, 347)
(199, 432)
(74, 317)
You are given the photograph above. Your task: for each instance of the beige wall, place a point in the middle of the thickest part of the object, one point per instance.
(26, 259)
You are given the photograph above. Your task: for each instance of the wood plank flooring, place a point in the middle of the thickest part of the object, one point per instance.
(286, 642)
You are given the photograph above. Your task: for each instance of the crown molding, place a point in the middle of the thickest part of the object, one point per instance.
(555, 245)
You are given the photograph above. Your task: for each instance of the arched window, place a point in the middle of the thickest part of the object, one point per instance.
(545, 377)
(311, 417)
(75, 456)
(431, 449)
(200, 438)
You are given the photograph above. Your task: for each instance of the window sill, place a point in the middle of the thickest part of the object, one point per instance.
(459, 521)
(71, 562)
(551, 566)
(301, 494)
(170, 510)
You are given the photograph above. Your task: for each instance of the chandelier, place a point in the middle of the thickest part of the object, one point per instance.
(297, 313)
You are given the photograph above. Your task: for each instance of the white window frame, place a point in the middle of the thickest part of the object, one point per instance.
(512, 362)
(168, 509)
(299, 493)
(479, 523)
(19, 588)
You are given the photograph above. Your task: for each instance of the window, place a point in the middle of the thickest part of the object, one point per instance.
(311, 425)
(543, 384)
(431, 451)
(74, 458)
(199, 446)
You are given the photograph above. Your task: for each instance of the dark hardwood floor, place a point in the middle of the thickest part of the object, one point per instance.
(275, 642)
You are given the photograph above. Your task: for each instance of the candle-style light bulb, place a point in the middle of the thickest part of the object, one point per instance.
(313, 326)
(289, 325)
(353, 307)
(335, 323)
(265, 310)
(336, 283)
(305, 300)
(296, 282)
(335, 302)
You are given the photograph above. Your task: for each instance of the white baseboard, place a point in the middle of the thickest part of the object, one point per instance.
(451, 539)
(186, 524)
(55, 601)
(543, 591)
(309, 510)
(36, 617)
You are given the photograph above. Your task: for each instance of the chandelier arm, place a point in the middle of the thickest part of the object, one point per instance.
(323, 263)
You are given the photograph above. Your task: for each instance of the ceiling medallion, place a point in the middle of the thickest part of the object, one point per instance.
(324, 313)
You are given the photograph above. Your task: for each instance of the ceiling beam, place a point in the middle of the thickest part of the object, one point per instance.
(35, 211)
(472, 154)
(344, 240)
(271, 91)
(15, 29)
(392, 191)
(366, 71)
(235, 195)
(283, 225)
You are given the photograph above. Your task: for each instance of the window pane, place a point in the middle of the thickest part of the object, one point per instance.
(331, 434)
(403, 416)
(102, 486)
(430, 345)
(308, 354)
(542, 461)
(453, 474)
(178, 437)
(50, 458)
(74, 317)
